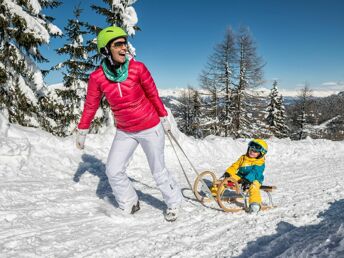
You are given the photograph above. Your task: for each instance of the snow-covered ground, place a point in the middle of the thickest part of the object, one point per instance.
(55, 201)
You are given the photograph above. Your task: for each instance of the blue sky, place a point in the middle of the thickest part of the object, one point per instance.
(300, 40)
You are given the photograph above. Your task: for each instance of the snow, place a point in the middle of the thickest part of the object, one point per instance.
(54, 30)
(27, 90)
(56, 85)
(130, 20)
(262, 92)
(56, 201)
(320, 92)
(324, 125)
(128, 15)
(36, 7)
(35, 25)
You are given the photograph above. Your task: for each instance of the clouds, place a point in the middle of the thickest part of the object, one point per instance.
(331, 85)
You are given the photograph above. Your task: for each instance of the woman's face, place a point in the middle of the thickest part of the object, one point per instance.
(118, 50)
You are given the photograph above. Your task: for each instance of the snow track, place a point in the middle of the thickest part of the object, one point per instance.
(56, 201)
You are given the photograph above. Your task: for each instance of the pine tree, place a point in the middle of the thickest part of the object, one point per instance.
(250, 75)
(23, 29)
(303, 104)
(282, 127)
(241, 123)
(197, 115)
(68, 100)
(78, 65)
(189, 113)
(184, 111)
(212, 105)
(217, 78)
(119, 13)
(276, 113)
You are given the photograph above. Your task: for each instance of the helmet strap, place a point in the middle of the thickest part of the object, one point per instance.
(107, 54)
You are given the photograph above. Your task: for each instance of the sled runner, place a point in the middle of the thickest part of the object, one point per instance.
(231, 195)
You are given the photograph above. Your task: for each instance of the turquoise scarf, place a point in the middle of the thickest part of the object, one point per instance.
(122, 72)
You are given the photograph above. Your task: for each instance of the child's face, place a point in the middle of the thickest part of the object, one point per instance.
(252, 153)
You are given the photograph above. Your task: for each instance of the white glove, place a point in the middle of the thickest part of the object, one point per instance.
(165, 124)
(80, 138)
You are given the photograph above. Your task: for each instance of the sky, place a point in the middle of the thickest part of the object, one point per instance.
(299, 40)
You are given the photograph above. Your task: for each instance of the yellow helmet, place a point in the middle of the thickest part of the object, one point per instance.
(259, 145)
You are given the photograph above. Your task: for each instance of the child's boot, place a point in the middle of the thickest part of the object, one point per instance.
(254, 208)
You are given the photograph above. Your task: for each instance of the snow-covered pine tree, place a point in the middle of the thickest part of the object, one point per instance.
(283, 129)
(250, 75)
(78, 65)
(188, 113)
(303, 102)
(218, 79)
(23, 28)
(272, 108)
(240, 124)
(120, 13)
(67, 101)
(276, 113)
(197, 115)
(211, 103)
(183, 111)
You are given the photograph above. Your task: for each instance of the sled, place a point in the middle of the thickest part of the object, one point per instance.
(231, 196)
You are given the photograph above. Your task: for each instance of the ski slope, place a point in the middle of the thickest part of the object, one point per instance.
(56, 201)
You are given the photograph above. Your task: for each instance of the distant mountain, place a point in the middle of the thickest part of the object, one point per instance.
(327, 108)
(286, 93)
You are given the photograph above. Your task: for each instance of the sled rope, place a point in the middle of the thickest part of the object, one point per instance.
(180, 163)
(204, 187)
(181, 149)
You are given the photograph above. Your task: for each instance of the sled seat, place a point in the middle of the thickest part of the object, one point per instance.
(268, 188)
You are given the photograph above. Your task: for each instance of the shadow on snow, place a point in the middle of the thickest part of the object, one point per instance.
(97, 168)
(324, 239)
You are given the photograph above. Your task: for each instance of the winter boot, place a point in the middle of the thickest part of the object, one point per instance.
(135, 208)
(254, 208)
(171, 214)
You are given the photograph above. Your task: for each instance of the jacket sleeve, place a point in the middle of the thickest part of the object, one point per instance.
(233, 169)
(91, 105)
(151, 91)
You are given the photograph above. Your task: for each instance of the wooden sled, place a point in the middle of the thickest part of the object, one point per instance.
(230, 196)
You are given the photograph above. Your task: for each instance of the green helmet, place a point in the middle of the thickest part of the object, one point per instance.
(108, 34)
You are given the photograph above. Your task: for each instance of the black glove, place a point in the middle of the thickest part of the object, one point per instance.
(245, 184)
(225, 175)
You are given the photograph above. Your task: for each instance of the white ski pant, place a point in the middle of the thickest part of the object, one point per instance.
(153, 142)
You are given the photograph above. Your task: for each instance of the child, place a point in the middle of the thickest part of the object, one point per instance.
(249, 167)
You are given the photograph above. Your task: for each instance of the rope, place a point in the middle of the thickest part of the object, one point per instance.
(180, 147)
(180, 163)
(204, 186)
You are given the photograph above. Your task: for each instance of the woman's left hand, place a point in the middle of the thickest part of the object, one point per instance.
(165, 123)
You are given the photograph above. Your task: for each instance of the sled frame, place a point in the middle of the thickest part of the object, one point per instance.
(239, 198)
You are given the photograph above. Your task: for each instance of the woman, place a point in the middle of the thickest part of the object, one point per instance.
(140, 119)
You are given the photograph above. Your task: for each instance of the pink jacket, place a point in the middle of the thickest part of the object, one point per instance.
(134, 102)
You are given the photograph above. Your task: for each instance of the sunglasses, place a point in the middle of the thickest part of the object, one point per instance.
(255, 147)
(119, 44)
(253, 150)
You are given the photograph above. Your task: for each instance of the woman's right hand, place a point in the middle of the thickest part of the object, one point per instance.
(81, 138)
